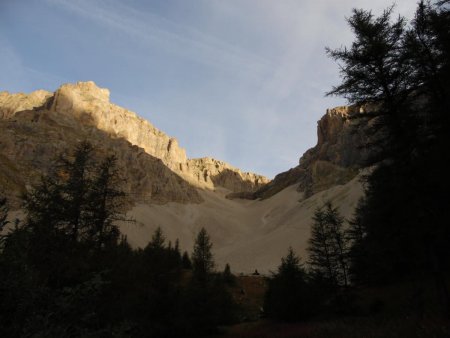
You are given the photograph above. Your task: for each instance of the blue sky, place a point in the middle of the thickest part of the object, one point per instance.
(239, 80)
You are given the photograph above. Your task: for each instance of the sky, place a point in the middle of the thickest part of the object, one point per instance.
(242, 81)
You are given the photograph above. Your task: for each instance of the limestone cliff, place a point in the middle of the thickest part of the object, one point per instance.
(32, 140)
(90, 105)
(36, 127)
(211, 173)
(345, 141)
(12, 103)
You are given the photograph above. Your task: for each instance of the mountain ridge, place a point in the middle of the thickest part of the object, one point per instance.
(85, 106)
(181, 195)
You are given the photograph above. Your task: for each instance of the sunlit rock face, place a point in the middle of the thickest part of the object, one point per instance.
(345, 143)
(181, 195)
(38, 126)
(90, 105)
(12, 103)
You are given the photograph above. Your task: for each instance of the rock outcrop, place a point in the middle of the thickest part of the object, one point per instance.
(90, 105)
(345, 143)
(211, 173)
(36, 127)
(12, 103)
(29, 147)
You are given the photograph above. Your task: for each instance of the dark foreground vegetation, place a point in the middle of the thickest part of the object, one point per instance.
(66, 272)
(386, 272)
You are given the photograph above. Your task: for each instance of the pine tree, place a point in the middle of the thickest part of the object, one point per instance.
(177, 252)
(158, 240)
(227, 275)
(78, 198)
(106, 203)
(373, 68)
(76, 188)
(328, 246)
(186, 261)
(289, 297)
(202, 257)
(400, 228)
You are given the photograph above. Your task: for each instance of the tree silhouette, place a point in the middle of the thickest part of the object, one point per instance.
(227, 275)
(289, 297)
(373, 68)
(328, 246)
(76, 187)
(106, 203)
(158, 240)
(202, 257)
(55, 284)
(186, 261)
(400, 228)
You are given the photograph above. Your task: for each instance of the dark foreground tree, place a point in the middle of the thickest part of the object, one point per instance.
(186, 261)
(402, 220)
(328, 247)
(79, 198)
(289, 296)
(373, 68)
(227, 276)
(106, 204)
(50, 262)
(202, 257)
(65, 273)
(208, 302)
(158, 240)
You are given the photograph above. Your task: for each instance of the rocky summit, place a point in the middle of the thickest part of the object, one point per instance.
(37, 126)
(346, 143)
(251, 219)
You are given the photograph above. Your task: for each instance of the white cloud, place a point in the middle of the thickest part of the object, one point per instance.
(149, 29)
(267, 70)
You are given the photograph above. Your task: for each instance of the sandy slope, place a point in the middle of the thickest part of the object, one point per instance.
(247, 234)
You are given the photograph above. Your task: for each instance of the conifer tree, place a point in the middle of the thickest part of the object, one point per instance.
(186, 261)
(105, 203)
(177, 252)
(158, 240)
(289, 297)
(328, 246)
(227, 275)
(403, 216)
(373, 68)
(76, 188)
(202, 257)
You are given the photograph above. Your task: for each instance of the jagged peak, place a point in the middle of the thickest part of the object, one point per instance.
(88, 89)
(352, 110)
(220, 165)
(89, 104)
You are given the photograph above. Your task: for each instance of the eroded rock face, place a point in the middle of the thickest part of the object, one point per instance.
(12, 103)
(345, 141)
(212, 173)
(36, 127)
(90, 104)
(29, 147)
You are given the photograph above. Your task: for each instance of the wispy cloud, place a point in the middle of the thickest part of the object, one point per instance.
(147, 28)
(242, 79)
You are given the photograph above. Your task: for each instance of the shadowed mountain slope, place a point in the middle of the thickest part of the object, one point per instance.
(251, 220)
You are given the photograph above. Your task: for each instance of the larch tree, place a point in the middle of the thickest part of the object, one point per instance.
(202, 257)
(328, 246)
